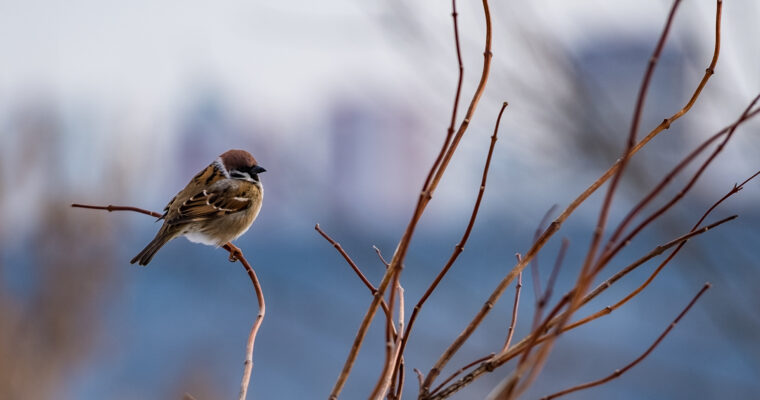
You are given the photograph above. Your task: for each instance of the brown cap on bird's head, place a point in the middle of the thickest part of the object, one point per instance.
(238, 160)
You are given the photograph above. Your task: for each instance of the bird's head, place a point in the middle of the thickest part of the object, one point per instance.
(241, 165)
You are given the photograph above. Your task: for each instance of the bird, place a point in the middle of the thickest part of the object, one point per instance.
(218, 205)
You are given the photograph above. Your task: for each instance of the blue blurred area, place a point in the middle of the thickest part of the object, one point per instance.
(346, 105)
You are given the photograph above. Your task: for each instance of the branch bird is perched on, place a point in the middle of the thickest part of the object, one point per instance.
(217, 206)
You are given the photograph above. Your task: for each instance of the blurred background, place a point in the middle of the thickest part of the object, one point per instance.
(346, 104)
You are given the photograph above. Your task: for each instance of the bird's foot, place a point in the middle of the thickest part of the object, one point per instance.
(235, 252)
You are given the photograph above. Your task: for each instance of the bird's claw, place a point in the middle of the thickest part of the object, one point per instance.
(235, 252)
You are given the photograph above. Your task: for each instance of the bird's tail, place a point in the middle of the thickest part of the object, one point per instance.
(144, 257)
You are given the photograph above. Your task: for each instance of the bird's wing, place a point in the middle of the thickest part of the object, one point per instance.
(207, 177)
(214, 202)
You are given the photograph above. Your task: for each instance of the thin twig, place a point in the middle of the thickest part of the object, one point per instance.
(420, 376)
(348, 259)
(396, 393)
(534, 264)
(550, 283)
(356, 269)
(380, 255)
(632, 364)
(237, 254)
(511, 330)
(111, 208)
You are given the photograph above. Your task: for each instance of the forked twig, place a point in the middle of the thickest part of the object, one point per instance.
(356, 269)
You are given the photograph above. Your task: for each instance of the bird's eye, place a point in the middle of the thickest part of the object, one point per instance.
(238, 175)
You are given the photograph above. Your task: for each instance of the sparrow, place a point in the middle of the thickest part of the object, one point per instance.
(218, 205)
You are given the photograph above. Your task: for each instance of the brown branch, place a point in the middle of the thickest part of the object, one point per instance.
(455, 107)
(465, 235)
(348, 259)
(396, 394)
(425, 196)
(511, 329)
(235, 254)
(111, 208)
(401, 380)
(623, 370)
(557, 223)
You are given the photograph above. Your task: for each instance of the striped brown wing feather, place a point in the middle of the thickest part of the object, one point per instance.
(208, 176)
(210, 204)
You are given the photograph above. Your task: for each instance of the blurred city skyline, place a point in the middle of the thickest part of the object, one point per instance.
(346, 105)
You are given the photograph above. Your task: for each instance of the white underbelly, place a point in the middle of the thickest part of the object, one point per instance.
(200, 237)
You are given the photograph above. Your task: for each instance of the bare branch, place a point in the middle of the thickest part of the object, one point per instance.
(623, 370)
(235, 254)
(356, 269)
(111, 208)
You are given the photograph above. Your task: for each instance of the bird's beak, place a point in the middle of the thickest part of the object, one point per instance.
(257, 170)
